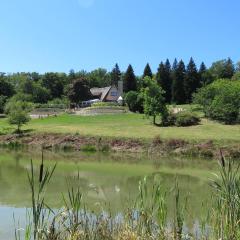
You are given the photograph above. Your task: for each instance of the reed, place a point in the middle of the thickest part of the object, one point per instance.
(227, 200)
(148, 218)
(40, 210)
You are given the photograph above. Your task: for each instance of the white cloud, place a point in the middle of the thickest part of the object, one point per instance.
(86, 3)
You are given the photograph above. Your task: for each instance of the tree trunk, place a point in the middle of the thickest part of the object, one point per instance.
(154, 120)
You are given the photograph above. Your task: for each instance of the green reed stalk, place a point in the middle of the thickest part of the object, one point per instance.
(227, 204)
(37, 196)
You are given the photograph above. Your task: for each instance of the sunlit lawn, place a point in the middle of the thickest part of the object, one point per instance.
(128, 126)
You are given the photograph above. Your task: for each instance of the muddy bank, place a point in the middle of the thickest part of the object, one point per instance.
(206, 149)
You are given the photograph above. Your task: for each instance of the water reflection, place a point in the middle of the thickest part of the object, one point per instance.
(105, 179)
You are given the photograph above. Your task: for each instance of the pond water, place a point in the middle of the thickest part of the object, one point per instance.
(107, 181)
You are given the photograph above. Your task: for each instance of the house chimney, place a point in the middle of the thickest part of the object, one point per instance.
(120, 87)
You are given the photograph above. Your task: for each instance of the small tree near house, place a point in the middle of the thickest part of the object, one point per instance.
(154, 102)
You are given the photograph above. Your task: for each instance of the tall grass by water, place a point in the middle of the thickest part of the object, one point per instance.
(148, 217)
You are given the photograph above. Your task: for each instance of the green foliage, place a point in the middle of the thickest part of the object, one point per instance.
(115, 75)
(134, 100)
(3, 100)
(38, 93)
(147, 71)
(105, 104)
(222, 69)
(54, 82)
(6, 88)
(205, 75)
(227, 205)
(178, 93)
(129, 80)
(154, 102)
(98, 78)
(184, 119)
(88, 148)
(164, 79)
(18, 112)
(220, 100)
(79, 91)
(236, 76)
(191, 80)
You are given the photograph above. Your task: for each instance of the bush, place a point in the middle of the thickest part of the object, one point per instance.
(134, 100)
(184, 119)
(220, 101)
(88, 148)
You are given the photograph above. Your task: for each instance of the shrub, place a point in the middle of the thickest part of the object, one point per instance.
(184, 119)
(134, 100)
(88, 148)
(220, 100)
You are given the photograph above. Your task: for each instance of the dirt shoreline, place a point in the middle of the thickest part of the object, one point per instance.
(76, 142)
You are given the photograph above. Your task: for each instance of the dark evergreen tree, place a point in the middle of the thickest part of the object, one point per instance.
(147, 71)
(229, 69)
(178, 94)
(164, 79)
(191, 80)
(129, 80)
(160, 74)
(115, 75)
(71, 75)
(175, 65)
(202, 69)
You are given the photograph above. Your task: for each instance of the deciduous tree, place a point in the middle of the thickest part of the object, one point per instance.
(79, 91)
(154, 102)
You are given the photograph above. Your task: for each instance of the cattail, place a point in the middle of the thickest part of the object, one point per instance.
(41, 169)
(222, 160)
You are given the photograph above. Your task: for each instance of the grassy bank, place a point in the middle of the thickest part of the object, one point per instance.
(128, 126)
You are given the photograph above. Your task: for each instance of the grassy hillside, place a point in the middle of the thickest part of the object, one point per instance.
(128, 126)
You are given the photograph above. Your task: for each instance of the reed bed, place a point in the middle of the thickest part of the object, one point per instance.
(146, 218)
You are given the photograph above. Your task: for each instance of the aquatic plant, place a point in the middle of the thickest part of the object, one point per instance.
(148, 218)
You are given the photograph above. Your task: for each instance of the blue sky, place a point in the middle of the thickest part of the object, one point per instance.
(58, 35)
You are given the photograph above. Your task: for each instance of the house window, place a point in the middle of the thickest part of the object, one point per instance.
(113, 94)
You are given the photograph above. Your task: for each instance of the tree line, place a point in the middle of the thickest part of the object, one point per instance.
(179, 82)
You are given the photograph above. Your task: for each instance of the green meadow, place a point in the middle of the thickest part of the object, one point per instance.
(128, 126)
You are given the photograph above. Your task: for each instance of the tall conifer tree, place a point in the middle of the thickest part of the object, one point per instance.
(147, 71)
(178, 94)
(129, 80)
(175, 65)
(115, 75)
(191, 80)
(164, 79)
(202, 73)
(229, 69)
